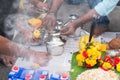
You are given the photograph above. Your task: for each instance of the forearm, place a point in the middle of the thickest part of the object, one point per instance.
(55, 5)
(85, 18)
(34, 1)
(9, 48)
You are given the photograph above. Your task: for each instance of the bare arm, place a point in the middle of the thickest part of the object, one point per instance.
(55, 5)
(9, 48)
(85, 18)
(50, 20)
(71, 27)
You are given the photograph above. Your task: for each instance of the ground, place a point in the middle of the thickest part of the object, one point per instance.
(64, 12)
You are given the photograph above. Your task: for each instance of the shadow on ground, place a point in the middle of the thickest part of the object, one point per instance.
(4, 72)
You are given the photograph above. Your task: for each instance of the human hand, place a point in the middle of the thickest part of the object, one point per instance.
(68, 29)
(42, 5)
(29, 36)
(50, 21)
(7, 60)
(40, 58)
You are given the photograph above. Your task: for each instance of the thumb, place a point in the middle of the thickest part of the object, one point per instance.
(67, 32)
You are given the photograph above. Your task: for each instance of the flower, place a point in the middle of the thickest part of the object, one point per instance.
(118, 67)
(107, 65)
(80, 57)
(116, 61)
(91, 62)
(108, 59)
(85, 54)
(89, 55)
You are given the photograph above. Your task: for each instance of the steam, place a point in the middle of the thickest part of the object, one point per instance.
(18, 20)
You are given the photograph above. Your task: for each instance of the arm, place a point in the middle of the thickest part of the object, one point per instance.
(102, 9)
(55, 6)
(11, 49)
(51, 18)
(85, 18)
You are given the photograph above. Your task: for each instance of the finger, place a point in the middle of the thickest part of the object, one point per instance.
(45, 23)
(7, 62)
(13, 61)
(53, 24)
(66, 33)
(49, 26)
(64, 29)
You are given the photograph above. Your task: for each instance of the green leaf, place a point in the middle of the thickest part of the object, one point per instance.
(76, 70)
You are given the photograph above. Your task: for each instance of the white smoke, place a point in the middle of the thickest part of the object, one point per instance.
(14, 22)
(18, 20)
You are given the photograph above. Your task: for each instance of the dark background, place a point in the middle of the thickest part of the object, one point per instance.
(5, 9)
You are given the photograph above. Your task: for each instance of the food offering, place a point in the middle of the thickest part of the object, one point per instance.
(38, 30)
(36, 33)
(98, 74)
(92, 58)
(35, 22)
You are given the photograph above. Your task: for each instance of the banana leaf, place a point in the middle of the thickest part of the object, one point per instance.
(76, 70)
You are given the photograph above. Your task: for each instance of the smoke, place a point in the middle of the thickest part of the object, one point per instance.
(17, 21)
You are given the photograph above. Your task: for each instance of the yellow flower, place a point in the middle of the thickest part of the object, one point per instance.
(84, 40)
(81, 51)
(104, 47)
(107, 65)
(36, 33)
(80, 63)
(97, 53)
(92, 62)
(90, 52)
(95, 57)
(118, 67)
(82, 45)
(97, 45)
(80, 57)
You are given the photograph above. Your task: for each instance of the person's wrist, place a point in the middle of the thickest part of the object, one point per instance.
(77, 24)
(52, 12)
(36, 2)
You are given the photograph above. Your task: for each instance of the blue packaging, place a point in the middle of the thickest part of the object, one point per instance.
(64, 77)
(28, 73)
(54, 77)
(44, 73)
(15, 73)
(15, 79)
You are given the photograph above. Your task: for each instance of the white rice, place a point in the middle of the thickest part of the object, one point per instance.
(98, 74)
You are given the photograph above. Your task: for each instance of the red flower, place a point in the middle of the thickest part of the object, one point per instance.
(85, 54)
(116, 61)
(108, 59)
(88, 66)
(100, 58)
(105, 69)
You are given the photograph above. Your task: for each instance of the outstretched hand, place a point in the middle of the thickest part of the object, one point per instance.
(68, 29)
(41, 58)
(50, 21)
